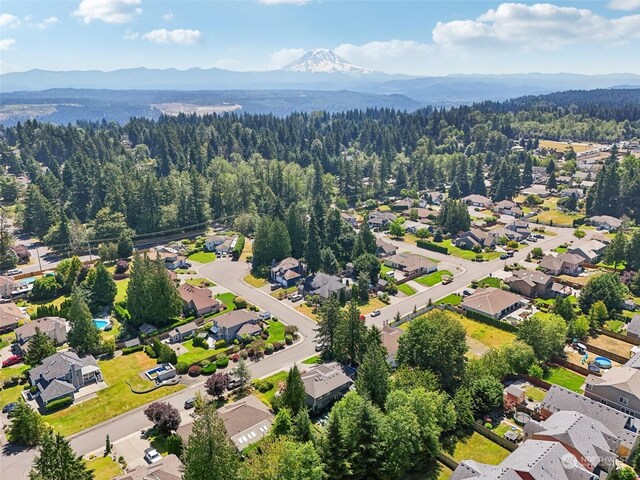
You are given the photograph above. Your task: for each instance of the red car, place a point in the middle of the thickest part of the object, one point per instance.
(12, 360)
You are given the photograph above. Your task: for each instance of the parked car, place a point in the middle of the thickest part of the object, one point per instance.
(296, 297)
(12, 360)
(319, 347)
(233, 384)
(375, 313)
(446, 279)
(187, 265)
(264, 315)
(538, 235)
(510, 253)
(504, 256)
(189, 403)
(275, 286)
(466, 293)
(532, 239)
(151, 455)
(13, 271)
(9, 408)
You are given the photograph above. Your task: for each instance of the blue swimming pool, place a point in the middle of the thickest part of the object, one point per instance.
(101, 323)
(27, 281)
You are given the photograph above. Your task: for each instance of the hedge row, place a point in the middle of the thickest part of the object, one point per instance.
(59, 404)
(237, 250)
(501, 324)
(130, 350)
(432, 246)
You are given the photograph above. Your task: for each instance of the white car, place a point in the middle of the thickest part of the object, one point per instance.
(296, 298)
(15, 271)
(151, 455)
(375, 313)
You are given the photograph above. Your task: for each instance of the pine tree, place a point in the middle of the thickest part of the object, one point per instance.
(242, 373)
(333, 451)
(84, 336)
(40, 347)
(38, 212)
(125, 245)
(57, 460)
(369, 452)
(477, 185)
(104, 289)
(351, 334)
(616, 251)
(372, 381)
(210, 454)
(552, 184)
(329, 317)
(301, 428)
(527, 172)
(297, 231)
(312, 253)
(27, 426)
(293, 396)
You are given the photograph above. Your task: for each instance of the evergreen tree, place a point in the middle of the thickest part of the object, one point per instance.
(329, 318)
(301, 428)
(312, 253)
(372, 381)
(282, 423)
(616, 252)
(210, 454)
(84, 336)
(633, 251)
(454, 216)
(370, 447)
(40, 347)
(242, 373)
(477, 185)
(351, 335)
(37, 216)
(334, 452)
(328, 261)
(27, 426)
(294, 394)
(125, 245)
(552, 184)
(57, 460)
(297, 230)
(104, 289)
(527, 173)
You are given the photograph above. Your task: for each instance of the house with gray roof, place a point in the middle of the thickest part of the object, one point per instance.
(287, 272)
(55, 328)
(618, 387)
(62, 375)
(182, 332)
(624, 426)
(564, 263)
(530, 283)
(384, 249)
(605, 222)
(380, 220)
(633, 327)
(507, 207)
(476, 237)
(410, 263)
(477, 200)
(167, 468)
(325, 286)
(325, 384)
(228, 325)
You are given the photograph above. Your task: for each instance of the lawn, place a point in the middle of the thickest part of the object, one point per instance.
(434, 278)
(255, 282)
(196, 354)
(490, 336)
(104, 468)
(15, 371)
(8, 395)
(384, 269)
(304, 309)
(555, 216)
(202, 257)
(200, 282)
(281, 292)
(560, 249)
(452, 299)
(565, 378)
(276, 331)
(490, 282)
(466, 254)
(312, 360)
(276, 378)
(480, 449)
(406, 289)
(121, 292)
(535, 393)
(115, 329)
(227, 299)
(615, 325)
(374, 304)
(114, 400)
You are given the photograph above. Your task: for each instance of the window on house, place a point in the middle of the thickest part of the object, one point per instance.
(623, 400)
(588, 386)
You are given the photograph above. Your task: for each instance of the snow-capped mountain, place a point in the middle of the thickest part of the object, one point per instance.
(324, 61)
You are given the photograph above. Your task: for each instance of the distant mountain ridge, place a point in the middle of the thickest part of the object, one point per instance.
(324, 61)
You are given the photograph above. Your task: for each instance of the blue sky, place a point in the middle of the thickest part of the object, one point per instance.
(417, 37)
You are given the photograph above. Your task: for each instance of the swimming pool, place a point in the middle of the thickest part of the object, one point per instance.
(27, 281)
(603, 362)
(101, 323)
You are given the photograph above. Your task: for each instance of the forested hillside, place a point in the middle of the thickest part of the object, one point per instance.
(94, 181)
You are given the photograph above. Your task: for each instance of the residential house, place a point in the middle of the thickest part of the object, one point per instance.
(350, 219)
(507, 207)
(325, 286)
(591, 442)
(622, 425)
(424, 214)
(605, 222)
(600, 237)
(182, 332)
(168, 468)
(324, 384)
(385, 249)
(212, 241)
(618, 387)
(287, 272)
(199, 300)
(171, 257)
(433, 198)
(55, 328)
(538, 190)
(590, 250)
(493, 302)
(572, 192)
(232, 325)
(227, 246)
(10, 317)
(564, 263)
(521, 230)
(380, 220)
(517, 236)
(390, 340)
(539, 174)
(412, 227)
(476, 238)
(7, 286)
(62, 374)
(404, 204)
(530, 283)
(477, 200)
(633, 327)
(410, 263)
(564, 180)
(533, 460)
(246, 421)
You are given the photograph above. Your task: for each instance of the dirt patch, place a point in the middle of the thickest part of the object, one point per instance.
(612, 345)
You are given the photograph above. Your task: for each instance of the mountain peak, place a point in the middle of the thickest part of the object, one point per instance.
(321, 60)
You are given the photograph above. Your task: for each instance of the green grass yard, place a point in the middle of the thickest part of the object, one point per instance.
(202, 257)
(195, 354)
(478, 448)
(535, 393)
(121, 292)
(466, 254)
(200, 282)
(276, 331)
(451, 299)
(312, 360)
(104, 468)
(255, 282)
(276, 378)
(406, 289)
(565, 378)
(433, 278)
(490, 336)
(490, 282)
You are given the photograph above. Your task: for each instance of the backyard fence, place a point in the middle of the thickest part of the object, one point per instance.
(494, 437)
(620, 336)
(606, 353)
(571, 366)
(447, 460)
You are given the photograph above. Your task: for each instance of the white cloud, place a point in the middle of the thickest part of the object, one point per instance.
(8, 20)
(387, 55)
(283, 2)
(624, 4)
(535, 26)
(178, 37)
(45, 23)
(6, 43)
(108, 11)
(284, 57)
(131, 35)
(167, 16)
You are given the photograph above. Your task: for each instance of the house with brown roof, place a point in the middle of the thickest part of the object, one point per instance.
(590, 250)
(55, 328)
(476, 238)
(287, 272)
(385, 249)
(7, 286)
(507, 207)
(10, 317)
(564, 263)
(530, 283)
(171, 258)
(493, 302)
(325, 384)
(232, 325)
(404, 204)
(410, 263)
(168, 468)
(199, 300)
(390, 337)
(477, 200)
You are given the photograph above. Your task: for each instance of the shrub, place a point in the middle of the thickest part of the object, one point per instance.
(195, 370)
(288, 339)
(235, 357)
(121, 266)
(243, 354)
(200, 343)
(432, 246)
(290, 329)
(204, 363)
(240, 302)
(59, 404)
(220, 343)
(222, 362)
(512, 244)
(268, 348)
(130, 350)
(148, 349)
(182, 367)
(209, 369)
(278, 345)
(263, 386)
(250, 352)
(45, 288)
